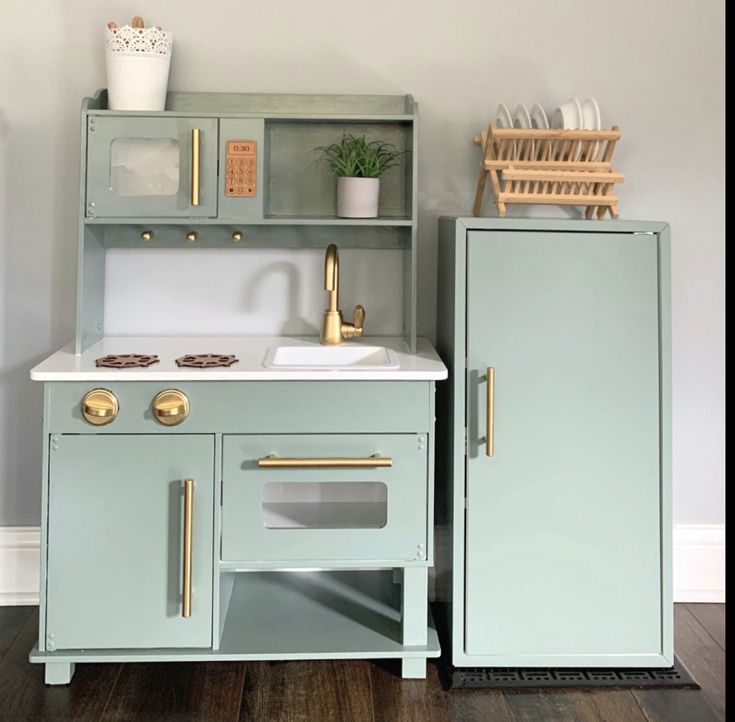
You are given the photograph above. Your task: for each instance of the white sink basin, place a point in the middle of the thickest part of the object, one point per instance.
(352, 358)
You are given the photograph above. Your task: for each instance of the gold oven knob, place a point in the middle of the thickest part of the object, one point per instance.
(100, 407)
(170, 407)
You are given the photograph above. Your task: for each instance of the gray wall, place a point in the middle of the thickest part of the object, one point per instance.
(656, 68)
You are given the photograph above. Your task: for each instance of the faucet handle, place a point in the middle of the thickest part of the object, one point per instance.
(350, 330)
(358, 317)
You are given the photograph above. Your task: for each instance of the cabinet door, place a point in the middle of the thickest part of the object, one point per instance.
(298, 512)
(115, 541)
(564, 520)
(146, 167)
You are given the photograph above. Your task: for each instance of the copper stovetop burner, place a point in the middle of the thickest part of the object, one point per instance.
(127, 360)
(206, 360)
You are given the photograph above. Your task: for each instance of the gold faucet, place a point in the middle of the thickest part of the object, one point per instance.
(334, 329)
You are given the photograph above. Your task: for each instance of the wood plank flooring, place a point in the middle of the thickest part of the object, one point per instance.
(350, 691)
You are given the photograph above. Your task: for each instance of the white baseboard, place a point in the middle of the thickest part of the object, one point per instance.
(699, 563)
(20, 551)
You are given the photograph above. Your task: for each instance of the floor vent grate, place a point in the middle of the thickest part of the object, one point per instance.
(538, 678)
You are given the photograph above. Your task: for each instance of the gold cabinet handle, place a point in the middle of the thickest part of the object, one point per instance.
(170, 407)
(188, 523)
(195, 166)
(100, 407)
(490, 420)
(313, 462)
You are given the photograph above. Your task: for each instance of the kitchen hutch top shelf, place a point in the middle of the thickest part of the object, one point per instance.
(278, 105)
(172, 179)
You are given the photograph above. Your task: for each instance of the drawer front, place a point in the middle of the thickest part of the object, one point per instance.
(252, 407)
(292, 510)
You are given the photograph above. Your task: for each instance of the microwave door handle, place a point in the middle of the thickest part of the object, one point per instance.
(195, 148)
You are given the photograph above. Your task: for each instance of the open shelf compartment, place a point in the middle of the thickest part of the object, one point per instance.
(315, 615)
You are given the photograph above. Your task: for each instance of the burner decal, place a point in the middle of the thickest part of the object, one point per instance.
(206, 360)
(127, 361)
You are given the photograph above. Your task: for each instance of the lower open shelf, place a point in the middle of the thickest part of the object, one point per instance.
(293, 615)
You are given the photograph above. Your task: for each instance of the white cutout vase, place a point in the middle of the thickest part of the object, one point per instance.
(357, 197)
(138, 61)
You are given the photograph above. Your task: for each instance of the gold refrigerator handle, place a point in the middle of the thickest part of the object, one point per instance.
(188, 514)
(195, 166)
(490, 421)
(313, 462)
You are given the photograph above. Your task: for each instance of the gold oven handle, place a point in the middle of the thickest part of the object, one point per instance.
(315, 462)
(188, 521)
(195, 166)
(490, 420)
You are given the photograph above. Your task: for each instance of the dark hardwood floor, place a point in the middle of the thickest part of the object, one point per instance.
(352, 691)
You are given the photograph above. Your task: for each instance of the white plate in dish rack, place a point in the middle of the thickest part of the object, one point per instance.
(591, 119)
(522, 119)
(538, 117)
(568, 116)
(503, 118)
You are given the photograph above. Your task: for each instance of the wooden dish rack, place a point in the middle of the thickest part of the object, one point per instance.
(533, 165)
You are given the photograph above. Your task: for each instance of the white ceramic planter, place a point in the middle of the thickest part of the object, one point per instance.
(138, 61)
(357, 197)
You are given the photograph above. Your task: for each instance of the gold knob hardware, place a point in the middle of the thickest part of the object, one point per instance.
(191, 236)
(237, 236)
(170, 407)
(146, 235)
(100, 407)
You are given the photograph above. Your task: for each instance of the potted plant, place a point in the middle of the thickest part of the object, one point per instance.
(358, 164)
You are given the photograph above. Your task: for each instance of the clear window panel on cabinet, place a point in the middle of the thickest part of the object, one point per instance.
(144, 166)
(325, 505)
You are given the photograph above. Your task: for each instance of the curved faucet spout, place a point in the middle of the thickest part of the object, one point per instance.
(331, 276)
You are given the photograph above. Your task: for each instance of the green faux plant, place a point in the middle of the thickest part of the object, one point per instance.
(355, 157)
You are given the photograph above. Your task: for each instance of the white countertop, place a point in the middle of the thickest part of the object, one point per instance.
(65, 365)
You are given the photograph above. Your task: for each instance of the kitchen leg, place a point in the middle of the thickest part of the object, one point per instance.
(414, 617)
(59, 672)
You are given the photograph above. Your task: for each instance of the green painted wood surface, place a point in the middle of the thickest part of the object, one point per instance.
(264, 104)
(245, 536)
(451, 572)
(101, 202)
(115, 541)
(310, 615)
(564, 520)
(300, 185)
(296, 199)
(286, 407)
(298, 233)
(90, 287)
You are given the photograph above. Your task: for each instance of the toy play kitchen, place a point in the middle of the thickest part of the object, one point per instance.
(272, 498)
(187, 479)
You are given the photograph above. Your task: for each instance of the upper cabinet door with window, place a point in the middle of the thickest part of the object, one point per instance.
(141, 167)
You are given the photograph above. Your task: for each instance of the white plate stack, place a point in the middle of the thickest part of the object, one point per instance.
(569, 115)
(572, 114)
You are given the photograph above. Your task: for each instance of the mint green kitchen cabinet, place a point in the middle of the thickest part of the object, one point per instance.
(151, 166)
(325, 557)
(116, 538)
(556, 484)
